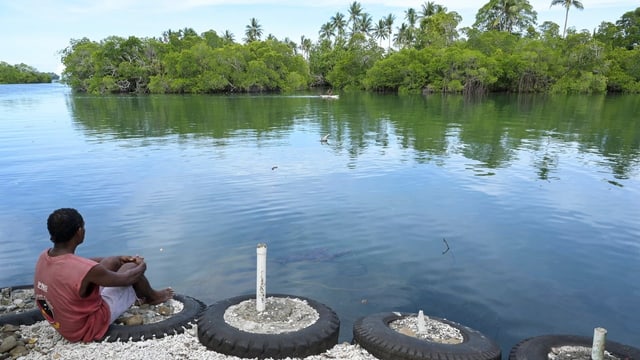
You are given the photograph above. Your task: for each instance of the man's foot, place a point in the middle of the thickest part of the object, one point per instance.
(159, 296)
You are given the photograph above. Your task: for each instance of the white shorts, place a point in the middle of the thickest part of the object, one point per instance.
(119, 299)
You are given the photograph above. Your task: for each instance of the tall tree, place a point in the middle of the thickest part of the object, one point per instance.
(388, 21)
(253, 31)
(629, 25)
(402, 37)
(293, 46)
(355, 11)
(428, 9)
(380, 31)
(411, 16)
(438, 29)
(166, 35)
(305, 46)
(365, 24)
(567, 4)
(326, 31)
(338, 23)
(187, 31)
(514, 16)
(228, 37)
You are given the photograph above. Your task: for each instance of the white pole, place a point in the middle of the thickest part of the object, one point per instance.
(261, 277)
(422, 327)
(599, 340)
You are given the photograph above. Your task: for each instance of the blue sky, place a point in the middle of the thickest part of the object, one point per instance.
(34, 31)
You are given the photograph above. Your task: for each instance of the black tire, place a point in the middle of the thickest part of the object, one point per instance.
(538, 348)
(28, 317)
(374, 335)
(217, 335)
(176, 324)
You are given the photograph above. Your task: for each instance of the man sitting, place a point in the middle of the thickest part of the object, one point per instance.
(81, 297)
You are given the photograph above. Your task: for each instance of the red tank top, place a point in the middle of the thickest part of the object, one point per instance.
(57, 287)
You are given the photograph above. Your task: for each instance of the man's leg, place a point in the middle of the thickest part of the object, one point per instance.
(145, 293)
(119, 299)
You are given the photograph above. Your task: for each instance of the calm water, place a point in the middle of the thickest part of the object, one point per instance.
(516, 216)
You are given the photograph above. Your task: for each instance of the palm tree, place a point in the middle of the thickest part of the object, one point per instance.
(187, 31)
(305, 46)
(253, 31)
(514, 16)
(429, 8)
(338, 23)
(380, 31)
(291, 44)
(326, 31)
(440, 28)
(401, 39)
(355, 10)
(365, 24)
(567, 4)
(411, 16)
(388, 21)
(228, 37)
(167, 35)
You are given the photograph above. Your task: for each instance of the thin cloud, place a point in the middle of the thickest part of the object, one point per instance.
(113, 6)
(450, 4)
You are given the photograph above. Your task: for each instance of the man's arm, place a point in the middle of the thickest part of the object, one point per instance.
(100, 275)
(114, 263)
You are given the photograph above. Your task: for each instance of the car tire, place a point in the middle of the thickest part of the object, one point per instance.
(28, 317)
(176, 324)
(374, 335)
(217, 335)
(539, 347)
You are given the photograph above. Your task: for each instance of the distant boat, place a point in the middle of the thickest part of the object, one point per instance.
(330, 96)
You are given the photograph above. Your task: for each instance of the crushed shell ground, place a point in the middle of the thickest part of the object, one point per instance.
(575, 353)
(40, 341)
(43, 342)
(280, 315)
(434, 330)
(49, 345)
(13, 301)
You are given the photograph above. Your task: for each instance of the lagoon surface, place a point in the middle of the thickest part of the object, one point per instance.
(514, 215)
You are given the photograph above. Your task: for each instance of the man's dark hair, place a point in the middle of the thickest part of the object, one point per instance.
(63, 224)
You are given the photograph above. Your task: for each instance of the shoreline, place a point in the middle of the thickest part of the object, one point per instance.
(47, 344)
(41, 341)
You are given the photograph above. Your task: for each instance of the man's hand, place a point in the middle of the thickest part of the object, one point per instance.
(134, 259)
(114, 263)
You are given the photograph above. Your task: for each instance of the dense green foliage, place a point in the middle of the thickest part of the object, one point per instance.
(23, 74)
(183, 62)
(505, 51)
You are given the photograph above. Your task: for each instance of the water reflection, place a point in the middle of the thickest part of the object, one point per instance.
(536, 197)
(491, 132)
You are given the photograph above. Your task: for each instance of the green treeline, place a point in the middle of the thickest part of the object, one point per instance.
(23, 74)
(504, 51)
(183, 62)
